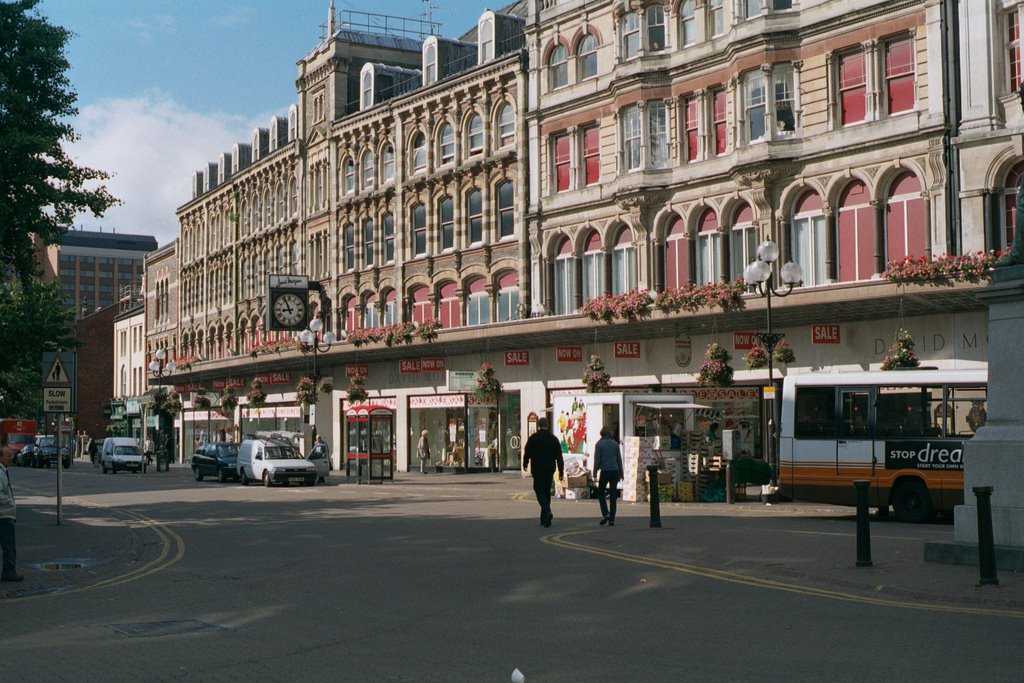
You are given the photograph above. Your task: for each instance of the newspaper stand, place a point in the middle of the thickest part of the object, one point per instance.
(370, 450)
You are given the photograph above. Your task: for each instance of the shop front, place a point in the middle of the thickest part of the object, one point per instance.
(277, 418)
(464, 433)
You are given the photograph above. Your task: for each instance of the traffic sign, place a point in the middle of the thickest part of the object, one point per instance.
(57, 374)
(57, 400)
(60, 381)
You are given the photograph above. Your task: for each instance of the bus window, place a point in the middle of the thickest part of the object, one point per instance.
(907, 411)
(815, 413)
(968, 413)
(856, 404)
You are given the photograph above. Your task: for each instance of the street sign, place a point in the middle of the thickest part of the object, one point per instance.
(769, 393)
(461, 380)
(60, 381)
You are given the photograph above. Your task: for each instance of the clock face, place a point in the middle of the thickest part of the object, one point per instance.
(289, 310)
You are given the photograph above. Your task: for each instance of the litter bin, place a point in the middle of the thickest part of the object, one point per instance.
(163, 460)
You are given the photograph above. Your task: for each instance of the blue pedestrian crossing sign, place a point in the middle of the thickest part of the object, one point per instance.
(60, 382)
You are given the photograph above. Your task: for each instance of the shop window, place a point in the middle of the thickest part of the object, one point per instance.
(709, 267)
(807, 238)
(560, 150)
(593, 268)
(564, 284)
(478, 304)
(852, 88)
(558, 68)
(446, 214)
(742, 241)
(475, 216)
(905, 220)
(591, 136)
(506, 210)
(624, 264)
(419, 230)
(856, 233)
(899, 75)
(586, 58)
(448, 306)
(508, 297)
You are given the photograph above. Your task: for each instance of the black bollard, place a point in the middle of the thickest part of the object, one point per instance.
(986, 543)
(652, 489)
(863, 526)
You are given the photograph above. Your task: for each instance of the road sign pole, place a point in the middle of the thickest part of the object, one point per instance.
(60, 474)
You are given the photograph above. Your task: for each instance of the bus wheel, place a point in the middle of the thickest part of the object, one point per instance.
(911, 502)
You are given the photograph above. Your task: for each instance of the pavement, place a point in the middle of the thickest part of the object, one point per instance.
(797, 547)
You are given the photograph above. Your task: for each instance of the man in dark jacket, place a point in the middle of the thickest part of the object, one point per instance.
(544, 452)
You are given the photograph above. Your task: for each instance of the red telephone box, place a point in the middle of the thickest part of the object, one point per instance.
(370, 444)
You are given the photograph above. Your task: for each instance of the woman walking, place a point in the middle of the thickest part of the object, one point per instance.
(607, 460)
(423, 451)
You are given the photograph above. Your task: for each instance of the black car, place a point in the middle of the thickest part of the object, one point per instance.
(45, 453)
(216, 460)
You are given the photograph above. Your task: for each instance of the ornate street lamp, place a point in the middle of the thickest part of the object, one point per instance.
(315, 339)
(759, 275)
(160, 367)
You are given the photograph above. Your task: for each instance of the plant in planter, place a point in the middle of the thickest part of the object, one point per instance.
(633, 304)
(305, 391)
(167, 402)
(326, 385)
(600, 308)
(201, 401)
(901, 352)
(357, 388)
(487, 385)
(715, 371)
(427, 330)
(228, 401)
(783, 354)
(595, 378)
(399, 333)
(756, 358)
(256, 396)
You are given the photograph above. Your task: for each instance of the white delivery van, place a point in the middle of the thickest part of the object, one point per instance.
(273, 462)
(121, 453)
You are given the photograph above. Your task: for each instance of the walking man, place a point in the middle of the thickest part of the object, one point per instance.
(607, 460)
(544, 452)
(7, 515)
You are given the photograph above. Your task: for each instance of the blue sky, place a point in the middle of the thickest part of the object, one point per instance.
(166, 85)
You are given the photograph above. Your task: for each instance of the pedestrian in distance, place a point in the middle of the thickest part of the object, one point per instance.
(423, 451)
(607, 461)
(543, 454)
(148, 449)
(8, 513)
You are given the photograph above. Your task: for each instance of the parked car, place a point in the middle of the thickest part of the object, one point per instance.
(121, 453)
(273, 462)
(23, 457)
(216, 460)
(46, 453)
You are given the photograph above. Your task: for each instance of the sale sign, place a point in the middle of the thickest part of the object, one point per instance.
(409, 367)
(824, 334)
(517, 358)
(627, 349)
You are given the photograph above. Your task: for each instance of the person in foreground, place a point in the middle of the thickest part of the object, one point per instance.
(544, 452)
(7, 515)
(607, 461)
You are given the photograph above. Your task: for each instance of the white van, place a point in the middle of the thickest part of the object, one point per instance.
(121, 453)
(273, 462)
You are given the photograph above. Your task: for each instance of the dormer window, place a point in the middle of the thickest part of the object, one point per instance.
(429, 64)
(293, 122)
(367, 91)
(486, 34)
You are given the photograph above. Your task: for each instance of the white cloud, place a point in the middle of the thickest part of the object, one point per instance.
(151, 145)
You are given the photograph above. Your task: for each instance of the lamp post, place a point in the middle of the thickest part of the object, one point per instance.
(315, 339)
(160, 367)
(760, 274)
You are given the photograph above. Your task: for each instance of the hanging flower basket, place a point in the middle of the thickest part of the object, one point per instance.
(427, 331)
(595, 378)
(756, 358)
(257, 397)
(167, 402)
(901, 353)
(228, 401)
(305, 391)
(783, 354)
(326, 385)
(715, 371)
(201, 401)
(487, 385)
(357, 389)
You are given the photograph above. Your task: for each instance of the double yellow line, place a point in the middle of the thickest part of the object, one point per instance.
(560, 540)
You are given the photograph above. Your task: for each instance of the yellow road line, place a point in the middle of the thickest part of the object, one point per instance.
(559, 540)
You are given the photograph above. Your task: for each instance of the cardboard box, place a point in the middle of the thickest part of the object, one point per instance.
(576, 493)
(576, 482)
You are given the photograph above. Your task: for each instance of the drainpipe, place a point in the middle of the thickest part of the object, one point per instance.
(950, 29)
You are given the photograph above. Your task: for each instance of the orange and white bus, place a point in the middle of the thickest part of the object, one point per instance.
(904, 431)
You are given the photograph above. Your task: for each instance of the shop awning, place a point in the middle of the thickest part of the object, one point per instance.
(673, 406)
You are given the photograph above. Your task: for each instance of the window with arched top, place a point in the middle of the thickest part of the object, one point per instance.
(419, 153)
(563, 284)
(855, 222)
(369, 169)
(446, 216)
(352, 317)
(475, 134)
(586, 58)
(246, 217)
(389, 310)
(349, 246)
(388, 224)
(558, 68)
(368, 242)
(293, 193)
(624, 263)
(429, 65)
(506, 210)
(1009, 217)
(709, 267)
(446, 144)
(349, 176)
(506, 125)
(371, 314)
(419, 230)
(807, 238)
(421, 309)
(905, 220)
(448, 313)
(687, 23)
(478, 303)
(387, 163)
(282, 206)
(486, 35)
(742, 241)
(508, 297)
(593, 267)
(677, 255)
(367, 91)
(475, 216)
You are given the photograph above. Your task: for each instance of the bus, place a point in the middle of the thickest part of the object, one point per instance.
(903, 431)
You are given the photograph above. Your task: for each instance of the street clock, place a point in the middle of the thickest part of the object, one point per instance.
(287, 303)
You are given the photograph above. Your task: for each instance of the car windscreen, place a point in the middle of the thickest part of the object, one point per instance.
(127, 450)
(281, 452)
(48, 442)
(19, 439)
(227, 451)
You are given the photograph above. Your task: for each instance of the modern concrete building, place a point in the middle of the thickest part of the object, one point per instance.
(94, 266)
